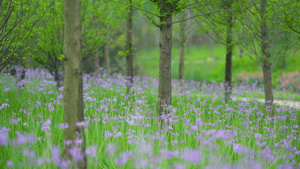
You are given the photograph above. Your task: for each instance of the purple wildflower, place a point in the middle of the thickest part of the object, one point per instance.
(91, 151)
(76, 153)
(179, 166)
(191, 155)
(3, 137)
(9, 164)
(107, 134)
(118, 134)
(56, 156)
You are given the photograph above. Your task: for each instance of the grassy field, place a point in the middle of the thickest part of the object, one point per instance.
(198, 67)
(202, 132)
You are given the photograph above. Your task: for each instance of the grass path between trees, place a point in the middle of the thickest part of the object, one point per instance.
(292, 104)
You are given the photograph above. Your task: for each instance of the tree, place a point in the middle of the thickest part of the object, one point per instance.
(289, 14)
(129, 53)
(73, 83)
(184, 34)
(263, 28)
(48, 40)
(17, 19)
(222, 22)
(164, 11)
(100, 31)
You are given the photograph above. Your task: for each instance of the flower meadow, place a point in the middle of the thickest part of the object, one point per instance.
(201, 131)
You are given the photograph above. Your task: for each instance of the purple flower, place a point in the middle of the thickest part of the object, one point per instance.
(82, 123)
(179, 166)
(107, 134)
(15, 121)
(76, 153)
(267, 154)
(118, 134)
(145, 149)
(166, 153)
(141, 163)
(25, 138)
(124, 158)
(258, 136)
(110, 148)
(285, 166)
(41, 161)
(62, 125)
(64, 164)
(3, 137)
(46, 125)
(56, 155)
(77, 141)
(68, 142)
(28, 153)
(91, 151)
(9, 164)
(191, 155)
(237, 148)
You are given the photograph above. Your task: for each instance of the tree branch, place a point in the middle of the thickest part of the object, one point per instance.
(220, 10)
(137, 8)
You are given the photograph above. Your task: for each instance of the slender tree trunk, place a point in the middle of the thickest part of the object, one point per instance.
(96, 54)
(28, 63)
(165, 51)
(58, 78)
(267, 72)
(96, 64)
(229, 47)
(182, 48)
(106, 59)
(129, 55)
(73, 83)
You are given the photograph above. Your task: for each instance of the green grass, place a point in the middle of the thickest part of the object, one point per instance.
(199, 68)
(111, 115)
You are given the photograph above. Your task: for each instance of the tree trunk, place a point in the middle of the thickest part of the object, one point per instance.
(267, 72)
(96, 65)
(129, 55)
(96, 57)
(182, 48)
(106, 59)
(73, 83)
(58, 78)
(165, 50)
(28, 62)
(229, 47)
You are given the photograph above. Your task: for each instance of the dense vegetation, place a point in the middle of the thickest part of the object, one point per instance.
(74, 94)
(202, 131)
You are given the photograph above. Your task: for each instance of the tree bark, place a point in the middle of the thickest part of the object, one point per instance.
(267, 72)
(96, 54)
(106, 59)
(129, 55)
(229, 47)
(28, 63)
(182, 41)
(96, 64)
(73, 83)
(58, 78)
(165, 51)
